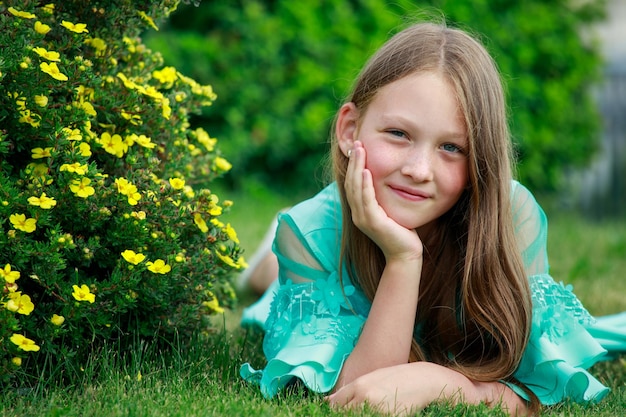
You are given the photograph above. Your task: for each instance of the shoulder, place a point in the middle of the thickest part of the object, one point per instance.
(323, 211)
(310, 232)
(524, 204)
(531, 229)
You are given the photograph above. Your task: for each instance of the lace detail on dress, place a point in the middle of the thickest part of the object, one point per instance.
(555, 307)
(312, 310)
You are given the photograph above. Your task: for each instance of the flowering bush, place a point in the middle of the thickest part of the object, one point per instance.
(106, 233)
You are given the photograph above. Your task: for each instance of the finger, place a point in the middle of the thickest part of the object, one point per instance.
(354, 178)
(341, 397)
(368, 195)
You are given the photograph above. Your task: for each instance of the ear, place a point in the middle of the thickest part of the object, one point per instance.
(346, 129)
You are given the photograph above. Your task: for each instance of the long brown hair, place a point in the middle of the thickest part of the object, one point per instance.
(474, 308)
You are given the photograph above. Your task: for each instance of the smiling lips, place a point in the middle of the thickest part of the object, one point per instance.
(409, 193)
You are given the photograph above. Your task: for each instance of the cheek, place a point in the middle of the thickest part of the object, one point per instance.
(457, 180)
(380, 160)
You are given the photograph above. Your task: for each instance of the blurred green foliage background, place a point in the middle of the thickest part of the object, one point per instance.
(281, 69)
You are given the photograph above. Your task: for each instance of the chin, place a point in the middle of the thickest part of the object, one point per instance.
(410, 224)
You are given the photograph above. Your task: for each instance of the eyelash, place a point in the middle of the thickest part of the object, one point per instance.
(398, 133)
(457, 148)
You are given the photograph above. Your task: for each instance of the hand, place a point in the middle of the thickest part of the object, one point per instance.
(396, 241)
(396, 390)
(410, 387)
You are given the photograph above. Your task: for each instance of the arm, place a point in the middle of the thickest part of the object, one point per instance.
(410, 387)
(388, 332)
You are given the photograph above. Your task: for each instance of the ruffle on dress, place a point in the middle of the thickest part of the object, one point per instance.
(560, 350)
(310, 332)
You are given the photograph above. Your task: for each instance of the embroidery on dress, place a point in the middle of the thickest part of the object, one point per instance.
(329, 293)
(555, 307)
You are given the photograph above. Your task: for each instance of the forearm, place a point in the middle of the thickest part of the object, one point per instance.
(388, 331)
(457, 388)
(410, 387)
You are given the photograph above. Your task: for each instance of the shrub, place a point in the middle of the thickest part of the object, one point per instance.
(285, 66)
(105, 234)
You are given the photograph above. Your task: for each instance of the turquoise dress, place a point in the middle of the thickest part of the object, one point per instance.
(312, 322)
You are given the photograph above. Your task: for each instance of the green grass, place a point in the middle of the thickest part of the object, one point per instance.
(202, 380)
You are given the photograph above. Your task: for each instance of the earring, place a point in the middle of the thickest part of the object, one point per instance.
(349, 153)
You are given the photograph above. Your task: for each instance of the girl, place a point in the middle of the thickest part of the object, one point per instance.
(420, 273)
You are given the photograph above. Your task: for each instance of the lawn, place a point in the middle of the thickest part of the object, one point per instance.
(203, 380)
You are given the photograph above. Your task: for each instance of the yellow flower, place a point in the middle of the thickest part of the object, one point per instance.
(204, 138)
(48, 8)
(144, 141)
(98, 44)
(24, 343)
(177, 183)
(165, 76)
(20, 303)
(189, 192)
(199, 221)
(158, 267)
(20, 222)
(72, 134)
(82, 293)
(17, 361)
(81, 187)
(113, 144)
(53, 71)
(242, 262)
(215, 210)
(128, 189)
(77, 28)
(38, 153)
(84, 149)
(166, 110)
(18, 13)
(135, 119)
(227, 260)
(20, 101)
(232, 234)
(41, 101)
(57, 320)
(37, 171)
(41, 28)
(8, 275)
(49, 55)
(213, 305)
(76, 167)
(132, 257)
(127, 83)
(32, 119)
(86, 106)
(222, 164)
(44, 201)
(140, 215)
(149, 20)
(123, 185)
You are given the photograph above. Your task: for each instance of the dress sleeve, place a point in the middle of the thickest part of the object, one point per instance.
(560, 349)
(312, 326)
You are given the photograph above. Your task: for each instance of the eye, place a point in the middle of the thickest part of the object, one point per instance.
(452, 148)
(397, 133)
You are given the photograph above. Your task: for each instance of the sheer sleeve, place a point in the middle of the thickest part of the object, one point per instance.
(314, 318)
(560, 349)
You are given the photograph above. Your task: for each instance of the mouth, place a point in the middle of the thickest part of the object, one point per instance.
(409, 193)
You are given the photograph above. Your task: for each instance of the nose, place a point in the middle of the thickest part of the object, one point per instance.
(419, 164)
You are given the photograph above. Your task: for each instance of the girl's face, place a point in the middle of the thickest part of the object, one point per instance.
(416, 146)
